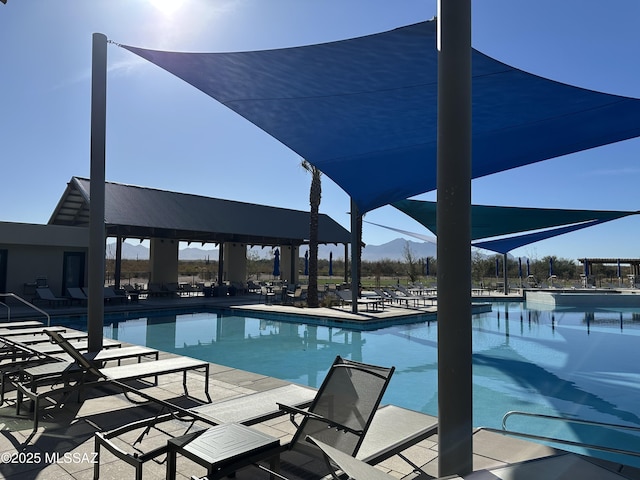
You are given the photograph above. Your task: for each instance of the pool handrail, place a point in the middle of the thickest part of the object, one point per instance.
(29, 304)
(562, 441)
(566, 419)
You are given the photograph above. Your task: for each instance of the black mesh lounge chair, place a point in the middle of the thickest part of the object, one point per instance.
(247, 410)
(341, 412)
(354, 469)
(410, 294)
(87, 374)
(343, 409)
(38, 363)
(44, 293)
(346, 298)
(402, 298)
(345, 415)
(76, 294)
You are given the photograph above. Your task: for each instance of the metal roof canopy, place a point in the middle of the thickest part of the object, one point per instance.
(142, 212)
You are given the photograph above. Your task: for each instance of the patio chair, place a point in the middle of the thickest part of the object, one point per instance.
(402, 298)
(87, 374)
(296, 297)
(341, 412)
(410, 294)
(354, 469)
(34, 361)
(347, 299)
(113, 295)
(343, 409)
(345, 415)
(76, 294)
(247, 410)
(36, 330)
(45, 293)
(267, 293)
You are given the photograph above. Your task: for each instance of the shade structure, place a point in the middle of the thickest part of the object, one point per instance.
(491, 221)
(330, 264)
(306, 262)
(357, 107)
(506, 244)
(276, 263)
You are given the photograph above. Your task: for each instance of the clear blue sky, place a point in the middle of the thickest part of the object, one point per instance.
(165, 134)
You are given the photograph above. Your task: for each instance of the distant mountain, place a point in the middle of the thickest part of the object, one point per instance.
(129, 251)
(393, 250)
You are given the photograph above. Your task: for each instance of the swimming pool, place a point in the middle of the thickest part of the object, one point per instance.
(558, 362)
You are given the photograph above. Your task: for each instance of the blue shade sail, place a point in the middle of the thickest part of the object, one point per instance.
(363, 110)
(505, 245)
(493, 221)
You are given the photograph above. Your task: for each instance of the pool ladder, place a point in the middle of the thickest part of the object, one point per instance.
(20, 299)
(602, 448)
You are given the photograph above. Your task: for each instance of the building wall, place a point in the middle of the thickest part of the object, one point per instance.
(37, 251)
(27, 263)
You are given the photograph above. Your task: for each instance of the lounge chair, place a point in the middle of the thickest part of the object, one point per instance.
(267, 293)
(36, 338)
(38, 364)
(402, 298)
(410, 294)
(341, 412)
(76, 294)
(87, 374)
(45, 293)
(383, 295)
(21, 324)
(14, 332)
(247, 410)
(296, 297)
(345, 415)
(354, 469)
(111, 295)
(346, 298)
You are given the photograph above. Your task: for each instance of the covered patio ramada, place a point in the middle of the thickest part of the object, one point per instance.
(377, 114)
(167, 218)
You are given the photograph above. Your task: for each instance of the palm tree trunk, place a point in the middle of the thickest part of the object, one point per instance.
(315, 196)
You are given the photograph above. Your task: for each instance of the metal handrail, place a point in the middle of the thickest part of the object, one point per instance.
(566, 419)
(29, 304)
(562, 441)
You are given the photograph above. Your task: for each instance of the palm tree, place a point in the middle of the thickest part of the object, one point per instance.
(315, 195)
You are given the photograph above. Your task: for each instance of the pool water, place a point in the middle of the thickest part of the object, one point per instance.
(584, 364)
